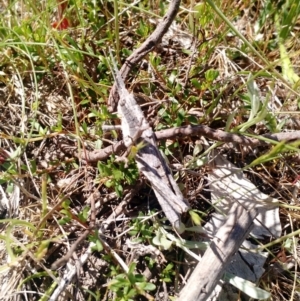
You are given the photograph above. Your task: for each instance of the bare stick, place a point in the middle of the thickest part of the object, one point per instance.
(144, 49)
(148, 158)
(63, 260)
(206, 131)
(216, 258)
(226, 137)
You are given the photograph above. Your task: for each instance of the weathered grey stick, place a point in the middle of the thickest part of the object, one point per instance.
(148, 158)
(214, 261)
(153, 166)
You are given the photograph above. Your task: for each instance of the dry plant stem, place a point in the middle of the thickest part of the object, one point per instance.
(79, 240)
(144, 49)
(60, 262)
(121, 206)
(184, 131)
(69, 274)
(214, 261)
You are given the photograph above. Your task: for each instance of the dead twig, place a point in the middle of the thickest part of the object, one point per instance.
(144, 49)
(121, 206)
(63, 260)
(222, 136)
(102, 154)
(204, 130)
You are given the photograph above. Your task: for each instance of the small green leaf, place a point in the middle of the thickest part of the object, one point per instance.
(66, 204)
(166, 279)
(247, 287)
(109, 183)
(99, 246)
(119, 190)
(272, 154)
(169, 267)
(197, 149)
(195, 217)
(132, 268)
(196, 83)
(161, 240)
(33, 165)
(288, 244)
(193, 120)
(117, 174)
(196, 229)
(211, 75)
(253, 91)
(103, 169)
(126, 52)
(10, 187)
(143, 29)
(64, 221)
(193, 244)
(83, 216)
(120, 281)
(66, 212)
(271, 123)
(131, 278)
(85, 127)
(146, 286)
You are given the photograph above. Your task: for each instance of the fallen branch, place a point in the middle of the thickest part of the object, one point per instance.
(205, 131)
(216, 258)
(136, 129)
(225, 137)
(197, 130)
(143, 50)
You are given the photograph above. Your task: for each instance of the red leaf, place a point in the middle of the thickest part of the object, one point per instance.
(61, 25)
(62, 22)
(3, 156)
